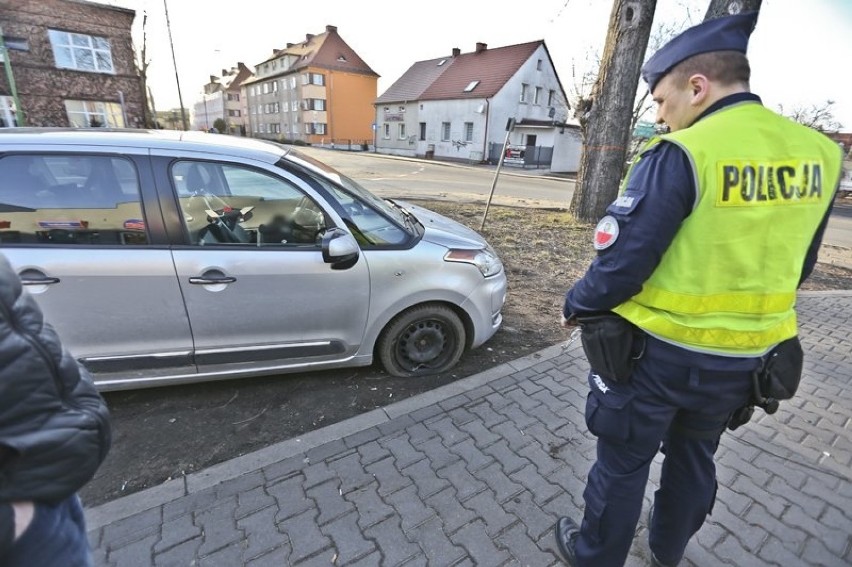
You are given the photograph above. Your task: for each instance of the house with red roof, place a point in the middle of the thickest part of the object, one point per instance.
(458, 107)
(316, 91)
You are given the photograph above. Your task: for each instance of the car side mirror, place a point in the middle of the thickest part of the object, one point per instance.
(339, 249)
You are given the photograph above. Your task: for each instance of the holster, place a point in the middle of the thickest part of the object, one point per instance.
(612, 345)
(782, 370)
(777, 379)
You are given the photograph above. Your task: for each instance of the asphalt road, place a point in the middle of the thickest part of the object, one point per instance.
(390, 176)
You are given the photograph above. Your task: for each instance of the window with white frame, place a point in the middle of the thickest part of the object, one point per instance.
(314, 128)
(293, 82)
(537, 95)
(401, 130)
(233, 112)
(233, 97)
(445, 131)
(275, 86)
(81, 52)
(94, 114)
(386, 129)
(317, 79)
(8, 118)
(294, 105)
(265, 88)
(550, 94)
(538, 65)
(524, 92)
(468, 131)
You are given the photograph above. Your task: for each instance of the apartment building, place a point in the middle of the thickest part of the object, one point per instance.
(72, 63)
(316, 91)
(222, 99)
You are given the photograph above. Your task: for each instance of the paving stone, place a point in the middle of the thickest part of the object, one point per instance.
(519, 417)
(317, 473)
(447, 505)
(180, 555)
(348, 539)
(326, 450)
(464, 483)
(535, 519)
(282, 470)
(410, 508)
(177, 531)
(832, 538)
(481, 434)
(437, 454)
(506, 458)
(473, 457)
(230, 555)
(526, 550)
(461, 416)
(134, 528)
(371, 508)
(329, 501)
(362, 437)
(350, 471)
(290, 497)
(218, 525)
(488, 417)
(389, 478)
(137, 552)
(513, 435)
(425, 479)
(479, 546)
(242, 483)
(449, 432)
(541, 489)
(419, 433)
(275, 558)
(395, 547)
(304, 535)
(404, 453)
(485, 506)
(435, 544)
(372, 452)
(251, 501)
(395, 426)
(503, 486)
(261, 533)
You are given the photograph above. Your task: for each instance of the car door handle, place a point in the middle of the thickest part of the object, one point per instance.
(211, 281)
(39, 281)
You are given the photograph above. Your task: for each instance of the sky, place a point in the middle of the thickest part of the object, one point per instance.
(799, 51)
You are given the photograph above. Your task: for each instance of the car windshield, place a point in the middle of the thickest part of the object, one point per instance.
(385, 206)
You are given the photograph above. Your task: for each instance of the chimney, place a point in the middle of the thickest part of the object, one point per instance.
(456, 52)
(213, 78)
(480, 47)
(289, 45)
(309, 36)
(224, 72)
(331, 28)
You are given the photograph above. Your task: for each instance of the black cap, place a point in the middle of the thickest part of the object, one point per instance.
(728, 33)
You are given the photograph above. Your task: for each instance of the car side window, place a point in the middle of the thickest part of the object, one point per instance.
(226, 204)
(70, 199)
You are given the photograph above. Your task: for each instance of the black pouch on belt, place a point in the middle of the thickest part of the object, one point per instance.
(610, 344)
(782, 370)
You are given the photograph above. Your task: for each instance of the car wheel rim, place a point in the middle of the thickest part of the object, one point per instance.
(424, 344)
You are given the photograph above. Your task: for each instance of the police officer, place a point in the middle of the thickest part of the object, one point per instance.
(716, 225)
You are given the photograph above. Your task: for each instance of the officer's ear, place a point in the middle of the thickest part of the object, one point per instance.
(699, 86)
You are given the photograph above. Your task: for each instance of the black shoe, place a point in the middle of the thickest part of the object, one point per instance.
(567, 533)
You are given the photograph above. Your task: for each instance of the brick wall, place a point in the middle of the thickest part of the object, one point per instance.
(42, 87)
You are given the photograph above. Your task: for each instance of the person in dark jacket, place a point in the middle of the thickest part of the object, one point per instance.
(54, 433)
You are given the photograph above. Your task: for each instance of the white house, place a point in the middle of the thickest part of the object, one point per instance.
(458, 108)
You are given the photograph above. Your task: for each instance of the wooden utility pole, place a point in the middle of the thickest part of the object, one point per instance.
(606, 115)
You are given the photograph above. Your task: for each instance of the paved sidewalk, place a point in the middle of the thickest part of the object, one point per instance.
(476, 473)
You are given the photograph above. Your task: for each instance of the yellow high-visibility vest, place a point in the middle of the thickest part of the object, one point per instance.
(727, 283)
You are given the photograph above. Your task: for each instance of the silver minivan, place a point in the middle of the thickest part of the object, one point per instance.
(165, 257)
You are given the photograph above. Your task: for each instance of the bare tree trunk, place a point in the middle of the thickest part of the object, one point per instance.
(719, 8)
(606, 115)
